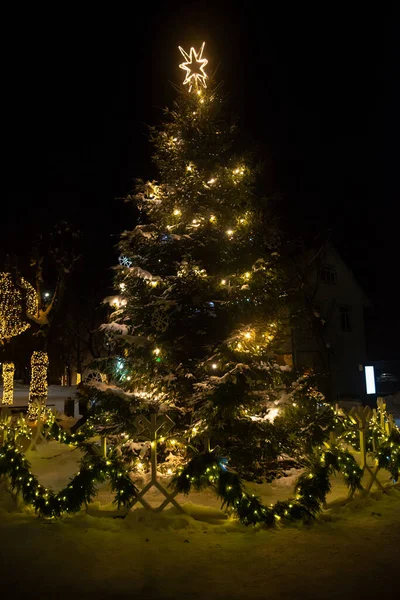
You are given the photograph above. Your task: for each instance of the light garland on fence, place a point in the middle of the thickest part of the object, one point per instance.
(8, 383)
(311, 488)
(204, 470)
(80, 490)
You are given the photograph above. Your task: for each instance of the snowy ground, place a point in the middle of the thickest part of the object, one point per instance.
(57, 395)
(350, 552)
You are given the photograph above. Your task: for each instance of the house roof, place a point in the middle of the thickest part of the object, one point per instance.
(315, 257)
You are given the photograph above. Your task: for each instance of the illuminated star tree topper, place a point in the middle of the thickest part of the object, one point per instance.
(194, 66)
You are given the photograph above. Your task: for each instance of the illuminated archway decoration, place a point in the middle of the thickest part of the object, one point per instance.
(38, 387)
(15, 305)
(8, 383)
(194, 66)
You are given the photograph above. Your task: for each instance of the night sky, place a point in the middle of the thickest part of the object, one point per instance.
(316, 89)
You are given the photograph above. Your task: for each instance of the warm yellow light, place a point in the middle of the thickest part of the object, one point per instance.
(177, 212)
(223, 281)
(214, 366)
(247, 275)
(153, 283)
(194, 66)
(189, 168)
(213, 218)
(238, 171)
(16, 301)
(156, 351)
(247, 335)
(229, 232)
(8, 383)
(122, 286)
(211, 181)
(38, 385)
(129, 378)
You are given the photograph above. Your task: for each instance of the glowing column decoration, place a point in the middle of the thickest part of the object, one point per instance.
(8, 383)
(38, 387)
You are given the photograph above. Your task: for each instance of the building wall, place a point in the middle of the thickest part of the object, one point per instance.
(337, 338)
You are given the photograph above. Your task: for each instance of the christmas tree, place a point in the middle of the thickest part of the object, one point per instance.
(200, 317)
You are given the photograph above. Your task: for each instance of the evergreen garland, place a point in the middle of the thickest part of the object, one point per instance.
(81, 489)
(388, 454)
(311, 489)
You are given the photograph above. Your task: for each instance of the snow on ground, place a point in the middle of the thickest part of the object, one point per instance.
(351, 551)
(57, 395)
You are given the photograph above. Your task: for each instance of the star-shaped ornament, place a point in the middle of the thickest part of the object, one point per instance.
(124, 261)
(194, 67)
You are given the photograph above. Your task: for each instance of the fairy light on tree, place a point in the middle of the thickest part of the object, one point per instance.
(8, 383)
(38, 385)
(204, 293)
(18, 301)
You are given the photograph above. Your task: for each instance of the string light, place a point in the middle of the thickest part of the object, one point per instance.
(14, 307)
(8, 383)
(177, 212)
(38, 385)
(230, 232)
(194, 66)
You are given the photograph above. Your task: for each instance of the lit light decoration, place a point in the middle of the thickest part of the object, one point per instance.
(124, 261)
(254, 341)
(160, 319)
(92, 376)
(8, 383)
(38, 386)
(15, 303)
(194, 66)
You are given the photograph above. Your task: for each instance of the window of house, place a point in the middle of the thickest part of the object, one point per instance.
(327, 274)
(345, 321)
